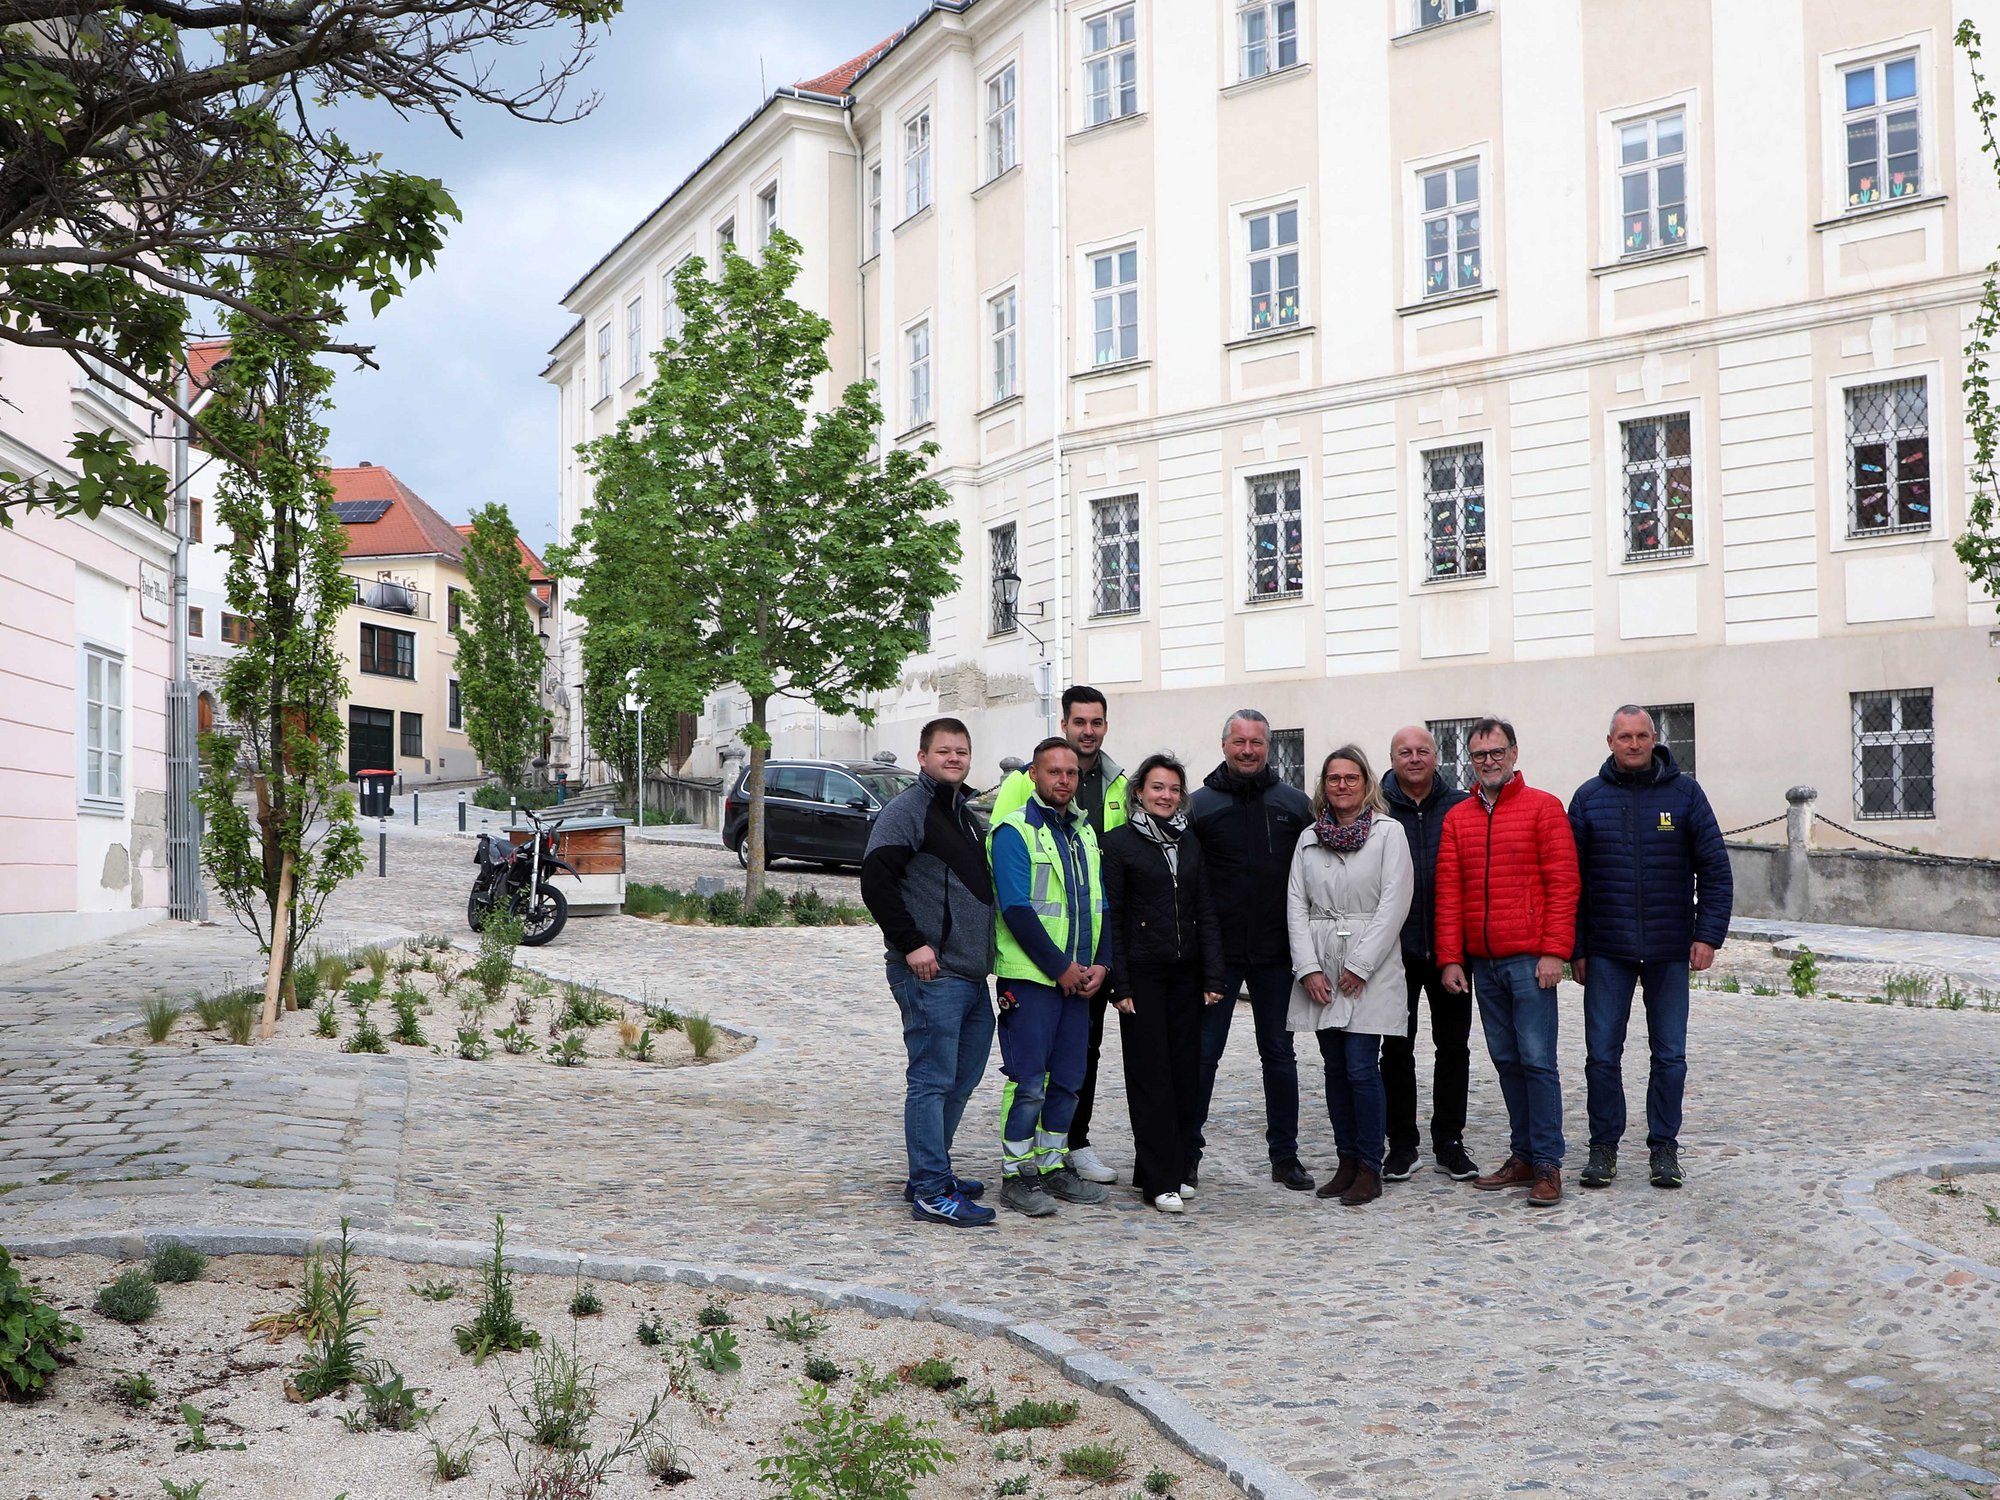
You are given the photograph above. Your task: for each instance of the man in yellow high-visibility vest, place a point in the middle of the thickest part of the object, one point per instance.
(1053, 955)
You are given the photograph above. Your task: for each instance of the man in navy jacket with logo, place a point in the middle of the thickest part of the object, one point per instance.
(1656, 902)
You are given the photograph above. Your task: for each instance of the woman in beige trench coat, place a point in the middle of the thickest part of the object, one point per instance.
(1350, 890)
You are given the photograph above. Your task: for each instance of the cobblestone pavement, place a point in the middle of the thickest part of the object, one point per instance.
(1748, 1336)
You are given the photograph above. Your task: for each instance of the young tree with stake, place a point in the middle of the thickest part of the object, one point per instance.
(500, 651)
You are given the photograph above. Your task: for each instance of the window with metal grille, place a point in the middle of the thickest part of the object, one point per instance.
(1277, 537)
(1114, 529)
(1894, 754)
(1114, 305)
(1451, 229)
(1111, 65)
(1652, 183)
(1288, 756)
(1004, 335)
(413, 734)
(1000, 555)
(1888, 458)
(1431, 12)
(1269, 30)
(1673, 725)
(1274, 267)
(1659, 487)
(1884, 155)
(1002, 133)
(1455, 511)
(388, 653)
(1454, 766)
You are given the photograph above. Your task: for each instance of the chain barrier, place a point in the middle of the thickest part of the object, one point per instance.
(1851, 833)
(1753, 827)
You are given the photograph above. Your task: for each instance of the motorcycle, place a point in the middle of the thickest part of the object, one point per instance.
(521, 876)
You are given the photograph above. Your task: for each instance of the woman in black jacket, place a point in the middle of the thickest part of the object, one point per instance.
(1168, 956)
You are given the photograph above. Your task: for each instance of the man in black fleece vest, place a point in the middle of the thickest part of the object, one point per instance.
(926, 883)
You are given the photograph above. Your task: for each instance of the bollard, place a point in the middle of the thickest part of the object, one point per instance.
(513, 812)
(461, 812)
(416, 807)
(382, 847)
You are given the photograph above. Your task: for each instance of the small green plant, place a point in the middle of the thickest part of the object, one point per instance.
(326, 1021)
(1948, 1186)
(363, 992)
(809, 908)
(585, 1008)
(209, 1010)
(1099, 1463)
(665, 1459)
(132, 1298)
(407, 1003)
(366, 1038)
(186, 1490)
(934, 1375)
(452, 1458)
(1729, 984)
(1026, 1415)
(821, 1369)
(1992, 1213)
(714, 1349)
(1804, 974)
(1951, 997)
(135, 1390)
(1008, 1452)
(241, 1019)
(978, 1406)
(175, 1262)
(375, 959)
(333, 1350)
(725, 908)
(32, 1335)
(768, 910)
(568, 1053)
(1158, 1482)
(702, 1033)
(513, 1039)
(310, 1310)
(665, 1017)
(714, 1315)
(838, 1449)
(1018, 1485)
(585, 1303)
(470, 1045)
(160, 1015)
(1761, 988)
(197, 1439)
(870, 1383)
(493, 970)
(562, 1395)
(496, 1325)
(388, 1403)
(652, 1331)
(432, 1289)
(799, 1326)
(1908, 984)
(642, 1049)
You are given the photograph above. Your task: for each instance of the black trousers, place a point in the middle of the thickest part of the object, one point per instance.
(1086, 1097)
(1451, 1029)
(1161, 1041)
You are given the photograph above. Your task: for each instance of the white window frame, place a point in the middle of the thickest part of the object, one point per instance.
(1112, 293)
(1248, 258)
(673, 322)
(725, 239)
(767, 213)
(1131, 579)
(1248, 482)
(1658, 230)
(1262, 40)
(1834, 67)
(1882, 189)
(917, 144)
(919, 359)
(1003, 344)
(1895, 738)
(635, 337)
(1612, 435)
(882, 404)
(1450, 167)
(1420, 511)
(1425, 14)
(874, 208)
(604, 361)
(1892, 463)
(1839, 497)
(1105, 96)
(1003, 121)
(112, 743)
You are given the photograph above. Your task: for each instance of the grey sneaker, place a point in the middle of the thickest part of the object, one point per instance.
(1025, 1196)
(1666, 1165)
(1063, 1183)
(1602, 1167)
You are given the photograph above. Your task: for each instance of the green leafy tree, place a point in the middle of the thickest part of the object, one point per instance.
(737, 536)
(161, 158)
(1979, 547)
(284, 687)
(500, 650)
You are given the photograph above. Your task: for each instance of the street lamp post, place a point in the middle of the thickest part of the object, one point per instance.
(1010, 604)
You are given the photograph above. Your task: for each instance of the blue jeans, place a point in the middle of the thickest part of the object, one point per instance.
(1270, 988)
(1356, 1104)
(1044, 1037)
(948, 1034)
(1607, 1007)
(1519, 1018)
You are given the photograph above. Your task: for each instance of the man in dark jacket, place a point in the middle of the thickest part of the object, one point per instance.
(926, 883)
(1249, 822)
(1656, 901)
(1419, 800)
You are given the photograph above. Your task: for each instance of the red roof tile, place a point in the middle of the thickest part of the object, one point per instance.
(836, 82)
(203, 356)
(536, 572)
(409, 528)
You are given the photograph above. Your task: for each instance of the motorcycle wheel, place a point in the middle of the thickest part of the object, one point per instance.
(476, 908)
(543, 918)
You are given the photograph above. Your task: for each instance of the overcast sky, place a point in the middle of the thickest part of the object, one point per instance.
(458, 409)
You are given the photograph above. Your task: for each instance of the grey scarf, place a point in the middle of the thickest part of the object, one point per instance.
(1167, 835)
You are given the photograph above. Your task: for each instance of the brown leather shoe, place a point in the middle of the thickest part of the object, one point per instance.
(1513, 1172)
(1342, 1179)
(1366, 1188)
(1548, 1189)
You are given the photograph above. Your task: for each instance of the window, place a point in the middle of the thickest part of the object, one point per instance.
(793, 783)
(454, 609)
(1003, 325)
(1111, 65)
(603, 361)
(1000, 553)
(1883, 156)
(767, 214)
(454, 709)
(1888, 458)
(1114, 531)
(1652, 183)
(635, 338)
(1451, 229)
(1674, 724)
(1269, 30)
(194, 520)
(413, 734)
(388, 653)
(920, 374)
(1288, 756)
(1455, 511)
(1277, 537)
(1431, 12)
(1894, 755)
(874, 210)
(917, 164)
(1114, 305)
(1659, 487)
(194, 617)
(841, 789)
(103, 726)
(1454, 758)
(1274, 268)
(237, 630)
(673, 322)
(1003, 147)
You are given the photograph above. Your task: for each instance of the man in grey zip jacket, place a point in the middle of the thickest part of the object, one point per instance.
(925, 880)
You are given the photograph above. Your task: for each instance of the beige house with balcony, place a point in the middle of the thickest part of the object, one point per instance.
(1402, 360)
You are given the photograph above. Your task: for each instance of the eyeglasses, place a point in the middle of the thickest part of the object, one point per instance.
(1492, 757)
(1343, 781)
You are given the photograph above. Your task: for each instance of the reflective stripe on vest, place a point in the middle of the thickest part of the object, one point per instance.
(1047, 896)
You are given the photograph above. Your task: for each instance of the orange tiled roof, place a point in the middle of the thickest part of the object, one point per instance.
(203, 356)
(836, 81)
(409, 528)
(536, 572)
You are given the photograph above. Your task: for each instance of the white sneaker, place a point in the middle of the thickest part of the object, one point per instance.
(1090, 1166)
(1169, 1203)
(1186, 1191)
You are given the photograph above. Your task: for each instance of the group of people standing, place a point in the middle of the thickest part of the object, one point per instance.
(1338, 914)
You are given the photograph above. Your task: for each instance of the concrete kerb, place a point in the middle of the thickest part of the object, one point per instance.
(1173, 1418)
(1857, 1195)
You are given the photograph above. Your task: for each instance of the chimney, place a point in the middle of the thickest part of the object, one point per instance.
(366, 464)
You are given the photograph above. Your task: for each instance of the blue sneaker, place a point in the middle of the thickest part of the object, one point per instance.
(952, 1208)
(965, 1187)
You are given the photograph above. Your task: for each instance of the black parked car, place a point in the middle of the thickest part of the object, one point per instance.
(816, 810)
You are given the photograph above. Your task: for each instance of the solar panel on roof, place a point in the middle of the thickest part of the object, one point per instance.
(358, 512)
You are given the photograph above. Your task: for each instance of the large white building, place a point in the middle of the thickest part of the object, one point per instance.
(1372, 361)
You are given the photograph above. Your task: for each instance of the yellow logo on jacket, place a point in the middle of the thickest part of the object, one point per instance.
(1666, 822)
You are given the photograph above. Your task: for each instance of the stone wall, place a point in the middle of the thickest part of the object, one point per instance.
(1916, 892)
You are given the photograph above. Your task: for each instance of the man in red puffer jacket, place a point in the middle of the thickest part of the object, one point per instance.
(1507, 890)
